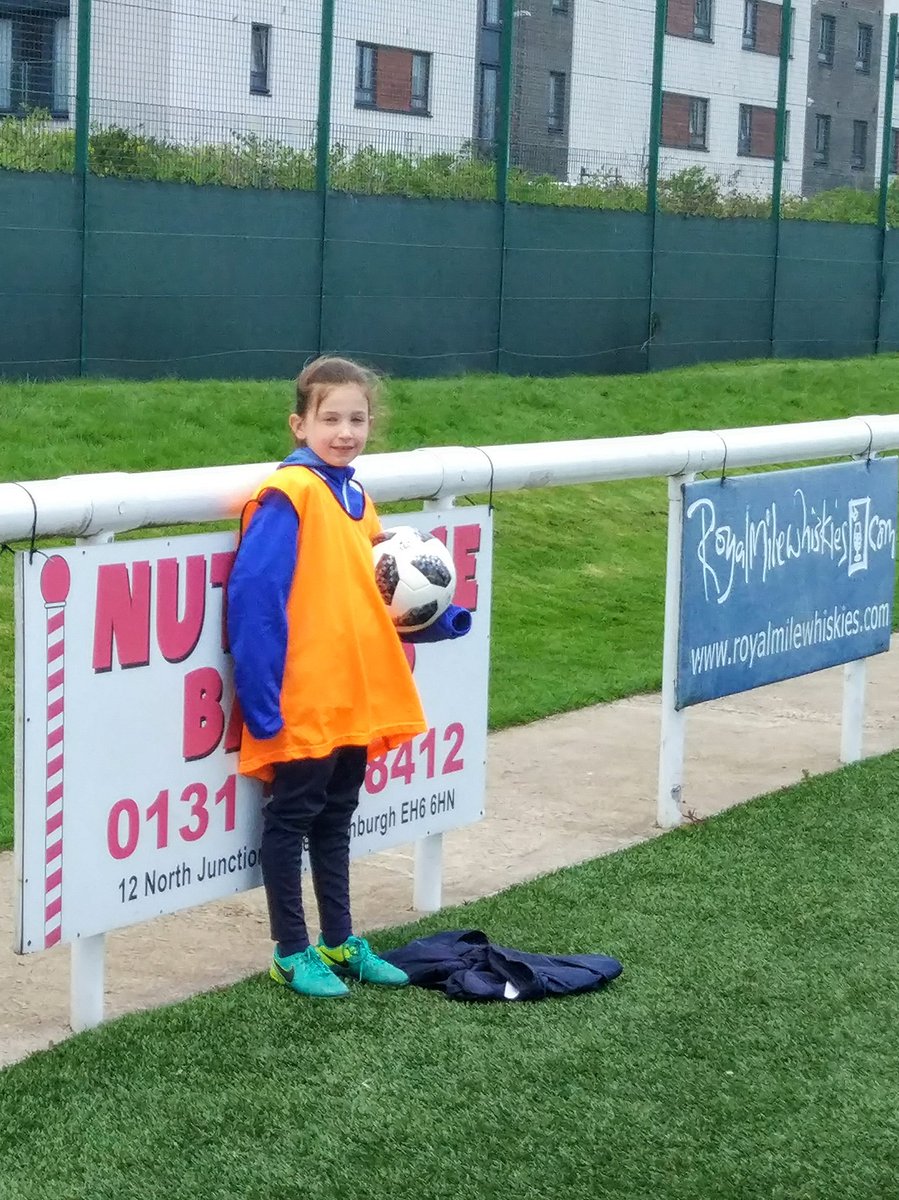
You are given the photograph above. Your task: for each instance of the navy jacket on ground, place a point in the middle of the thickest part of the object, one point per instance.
(464, 965)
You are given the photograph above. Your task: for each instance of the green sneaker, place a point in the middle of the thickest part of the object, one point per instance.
(307, 975)
(356, 958)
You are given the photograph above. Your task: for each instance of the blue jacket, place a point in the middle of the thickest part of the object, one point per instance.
(464, 965)
(260, 583)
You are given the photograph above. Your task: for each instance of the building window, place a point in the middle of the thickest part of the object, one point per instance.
(560, 6)
(750, 23)
(859, 145)
(699, 123)
(60, 103)
(702, 20)
(488, 98)
(756, 131)
(822, 140)
(366, 58)
(690, 19)
(744, 136)
(493, 16)
(863, 49)
(827, 37)
(685, 121)
(260, 41)
(393, 79)
(34, 61)
(421, 82)
(556, 101)
(5, 65)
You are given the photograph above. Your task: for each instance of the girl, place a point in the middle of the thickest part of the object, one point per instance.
(320, 673)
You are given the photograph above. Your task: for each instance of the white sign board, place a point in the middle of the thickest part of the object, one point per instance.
(128, 801)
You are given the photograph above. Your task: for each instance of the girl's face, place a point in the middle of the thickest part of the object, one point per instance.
(338, 429)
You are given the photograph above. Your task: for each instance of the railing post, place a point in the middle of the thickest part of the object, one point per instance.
(855, 677)
(427, 890)
(673, 726)
(87, 974)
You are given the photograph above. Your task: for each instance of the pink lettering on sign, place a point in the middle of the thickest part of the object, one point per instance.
(127, 614)
(204, 716)
(177, 633)
(465, 547)
(122, 615)
(466, 544)
(219, 571)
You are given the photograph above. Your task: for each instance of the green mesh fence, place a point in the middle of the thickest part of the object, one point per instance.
(194, 91)
(333, 141)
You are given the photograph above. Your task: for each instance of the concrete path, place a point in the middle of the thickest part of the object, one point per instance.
(559, 791)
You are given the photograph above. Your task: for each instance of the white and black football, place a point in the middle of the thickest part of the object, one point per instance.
(415, 575)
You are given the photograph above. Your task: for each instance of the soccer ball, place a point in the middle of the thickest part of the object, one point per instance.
(415, 576)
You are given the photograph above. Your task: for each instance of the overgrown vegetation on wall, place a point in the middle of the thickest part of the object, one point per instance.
(34, 143)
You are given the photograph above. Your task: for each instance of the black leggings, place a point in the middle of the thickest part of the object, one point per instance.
(312, 798)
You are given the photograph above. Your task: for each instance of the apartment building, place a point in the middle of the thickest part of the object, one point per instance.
(422, 78)
(719, 104)
(842, 125)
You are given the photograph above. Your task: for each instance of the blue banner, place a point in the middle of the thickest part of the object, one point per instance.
(784, 573)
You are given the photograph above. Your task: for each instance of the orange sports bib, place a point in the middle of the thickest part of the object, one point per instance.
(346, 678)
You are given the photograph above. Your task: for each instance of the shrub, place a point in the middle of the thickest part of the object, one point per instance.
(35, 143)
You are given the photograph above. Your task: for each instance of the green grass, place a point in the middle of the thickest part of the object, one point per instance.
(578, 597)
(746, 1052)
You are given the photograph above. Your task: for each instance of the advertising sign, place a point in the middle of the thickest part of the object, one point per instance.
(784, 573)
(128, 801)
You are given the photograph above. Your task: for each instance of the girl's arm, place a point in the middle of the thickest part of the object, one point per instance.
(258, 588)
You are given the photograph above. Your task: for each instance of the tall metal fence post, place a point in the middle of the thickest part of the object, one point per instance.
(323, 149)
(82, 155)
(652, 179)
(780, 149)
(886, 156)
(502, 153)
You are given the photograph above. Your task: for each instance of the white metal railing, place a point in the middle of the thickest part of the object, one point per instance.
(95, 507)
(84, 505)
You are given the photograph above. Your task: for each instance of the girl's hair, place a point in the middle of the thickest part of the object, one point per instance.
(318, 377)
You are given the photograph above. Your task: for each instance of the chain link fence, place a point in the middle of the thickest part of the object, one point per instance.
(193, 91)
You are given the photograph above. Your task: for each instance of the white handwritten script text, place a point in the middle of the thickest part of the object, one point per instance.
(754, 549)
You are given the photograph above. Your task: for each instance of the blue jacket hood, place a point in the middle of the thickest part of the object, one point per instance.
(304, 457)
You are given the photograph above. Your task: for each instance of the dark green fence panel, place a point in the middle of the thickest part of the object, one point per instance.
(576, 291)
(889, 314)
(712, 292)
(200, 281)
(827, 286)
(412, 286)
(40, 275)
